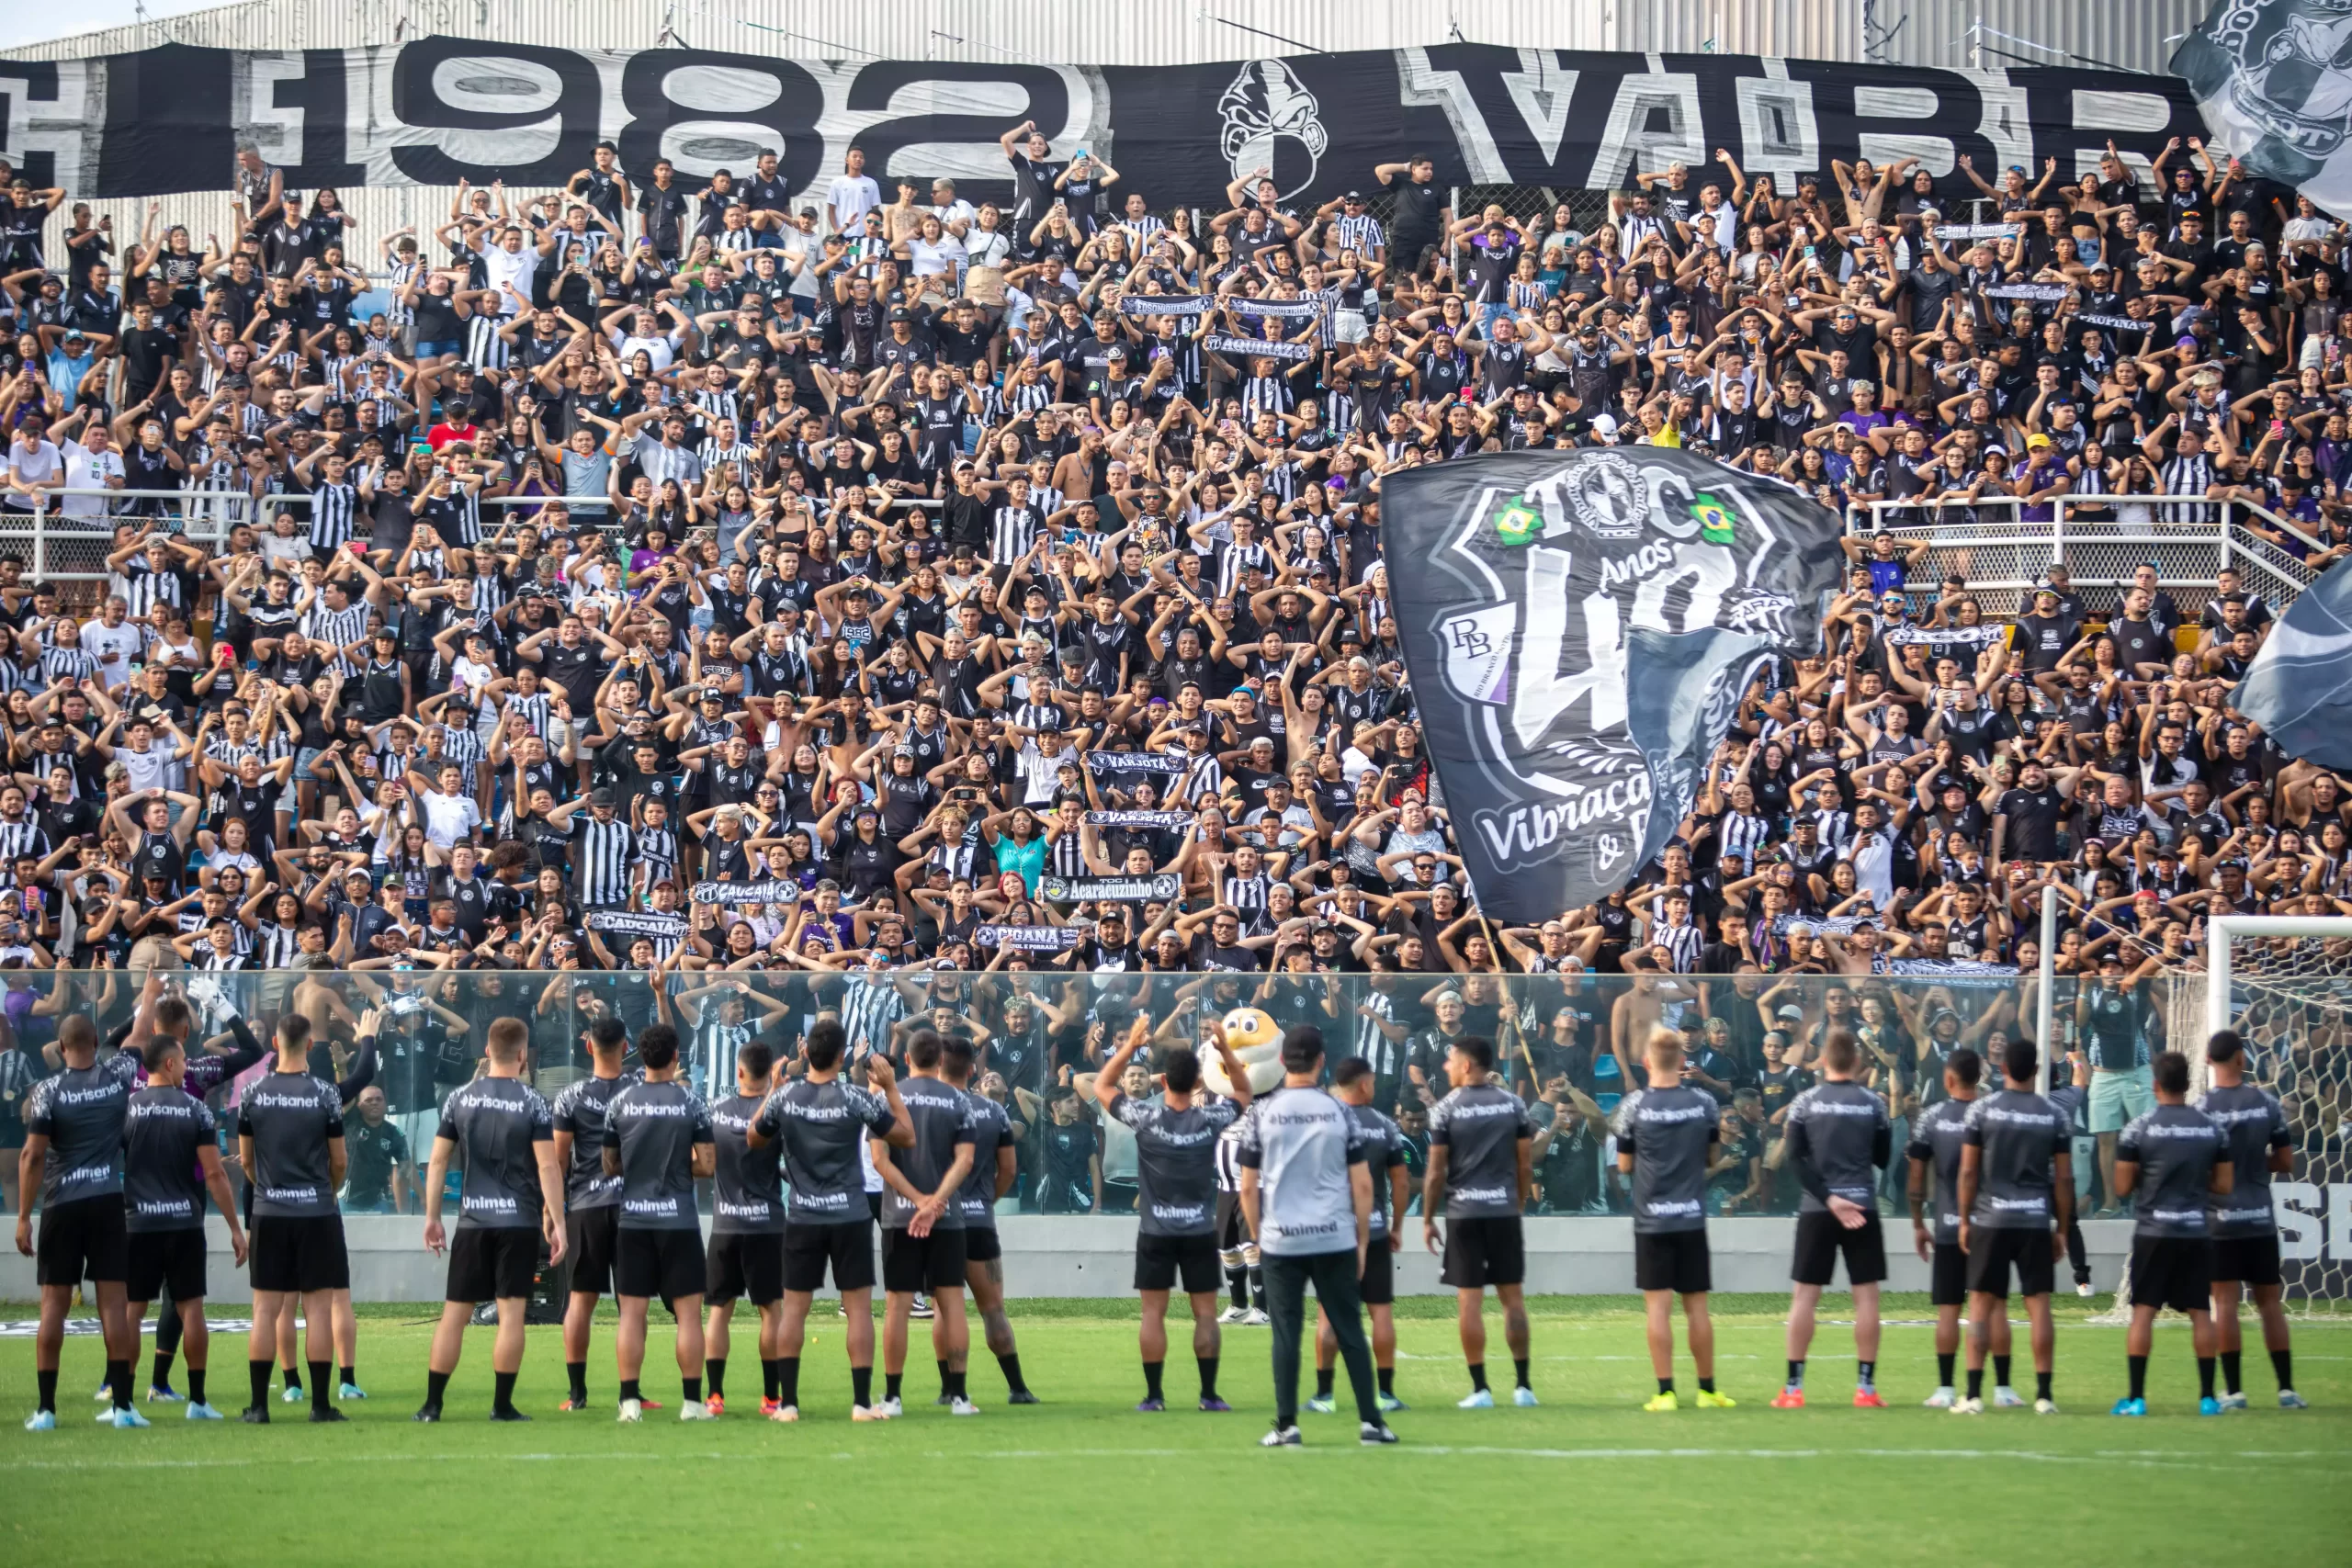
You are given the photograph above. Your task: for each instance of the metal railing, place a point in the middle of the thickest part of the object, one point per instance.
(57, 546)
(2003, 561)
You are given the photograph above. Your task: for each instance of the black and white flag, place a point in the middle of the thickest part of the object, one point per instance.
(2300, 687)
(2273, 79)
(1580, 641)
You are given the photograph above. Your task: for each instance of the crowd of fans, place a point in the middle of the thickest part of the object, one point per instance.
(655, 595)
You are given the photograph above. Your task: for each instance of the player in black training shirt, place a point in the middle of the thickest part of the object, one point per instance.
(994, 1170)
(2016, 1193)
(658, 1141)
(923, 1229)
(513, 1198)
(1353, 1084)
(1670, 1140)
(2245, 1226)
(1937, 1134)
(1482, 1167)
(289, 1141)
(746, 1228)
(821, 1120)
(1838, 1139)
(592, 1200)
(74, 1137)
(2171, 1162)
(1176, 1143)
(170, 1159)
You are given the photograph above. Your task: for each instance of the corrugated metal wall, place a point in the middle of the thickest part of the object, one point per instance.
(2126, 34)
(2130, 34)
(1107, 32)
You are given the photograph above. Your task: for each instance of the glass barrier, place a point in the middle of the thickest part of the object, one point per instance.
(1570, 1044)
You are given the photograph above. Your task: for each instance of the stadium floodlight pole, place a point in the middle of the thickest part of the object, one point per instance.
(2045, 1006)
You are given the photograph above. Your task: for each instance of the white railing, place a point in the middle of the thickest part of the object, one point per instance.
(55, 545)
(2002, 562)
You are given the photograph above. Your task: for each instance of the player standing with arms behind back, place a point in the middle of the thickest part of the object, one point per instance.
(1668, 1135)
(513, 1196)
(746, 1228)
(994, 1170)
(2246, 1227)
(289, 1141)
(1176, 1142)
(923, 1229)
(822, 1122)
(2017, 1182)
(592, 1200)
(1482, 1168)
(1352, 1085)
(1838, 1138)
(74, 1145)
(1938, 1133)
(170, 1159)
(658, 1141)
(2167, 1160)
(1306, 1194)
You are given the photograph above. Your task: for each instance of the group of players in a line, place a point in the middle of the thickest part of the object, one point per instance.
(123, 1152)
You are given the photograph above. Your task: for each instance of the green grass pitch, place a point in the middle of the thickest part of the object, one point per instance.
(1083, 1479)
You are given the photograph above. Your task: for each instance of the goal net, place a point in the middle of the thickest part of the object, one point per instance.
(2284, 983)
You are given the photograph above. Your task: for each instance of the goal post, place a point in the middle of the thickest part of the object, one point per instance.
(2284, 983)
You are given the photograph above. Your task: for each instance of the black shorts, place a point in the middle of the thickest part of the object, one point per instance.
(300, 1253)
(982, 1244)
(589, 1236)
(491, 1263)
(745, 1263)
(85, 1239)
(2174, 1272)
(1377, 1286)
(1821, 1240)
(1163, 1260)
(2248, 1259)
(1489, 1249)
(1948, 1275)
(666, 1263)
(1991, 1252)
(1232, 1224)
(166, 1260)
(933, 1262)
(1673, 1260)
(847, 1250)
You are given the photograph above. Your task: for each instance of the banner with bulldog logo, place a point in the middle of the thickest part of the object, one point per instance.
(430, 110)
(1580, 644)
(2274, 79)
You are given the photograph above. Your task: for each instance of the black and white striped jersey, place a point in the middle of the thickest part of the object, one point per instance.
(600, 853)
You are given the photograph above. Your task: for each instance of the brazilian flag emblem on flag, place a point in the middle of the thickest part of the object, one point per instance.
(1517, 523)
(1714, 521)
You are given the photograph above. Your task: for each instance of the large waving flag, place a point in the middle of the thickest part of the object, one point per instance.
(1580, 627)
(2300, 688)
(2273, 79)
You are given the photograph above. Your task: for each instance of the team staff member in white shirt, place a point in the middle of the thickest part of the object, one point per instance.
(1306, 1194)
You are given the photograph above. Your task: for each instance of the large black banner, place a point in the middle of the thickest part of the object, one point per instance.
(1580, 642)
(433, 109)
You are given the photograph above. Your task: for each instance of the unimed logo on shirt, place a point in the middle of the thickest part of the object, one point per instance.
(1484, 1195)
